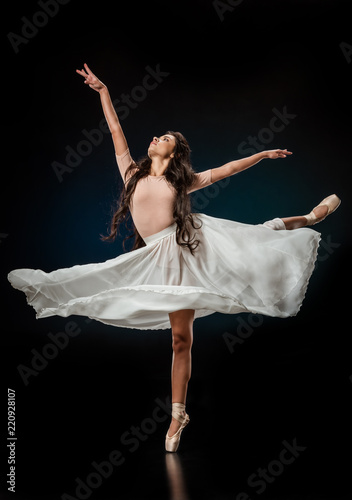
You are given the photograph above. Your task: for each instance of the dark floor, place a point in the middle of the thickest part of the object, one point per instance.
(220, 457)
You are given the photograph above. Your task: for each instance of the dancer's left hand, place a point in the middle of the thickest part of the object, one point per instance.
(277, 153)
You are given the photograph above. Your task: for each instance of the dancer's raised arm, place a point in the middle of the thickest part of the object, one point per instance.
(236, 166)
(112, 119)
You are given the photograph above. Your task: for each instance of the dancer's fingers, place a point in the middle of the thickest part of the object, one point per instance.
(88, 70)
(284, 152)
(82, 73)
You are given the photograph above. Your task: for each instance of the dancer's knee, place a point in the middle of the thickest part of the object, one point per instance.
(181, 341)
(182, 330)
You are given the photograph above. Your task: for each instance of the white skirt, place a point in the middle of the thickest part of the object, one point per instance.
(236, 268)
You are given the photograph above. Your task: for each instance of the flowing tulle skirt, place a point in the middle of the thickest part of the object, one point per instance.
(236, 268)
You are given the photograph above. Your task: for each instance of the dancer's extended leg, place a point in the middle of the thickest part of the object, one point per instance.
(319, 213)
(301, 221)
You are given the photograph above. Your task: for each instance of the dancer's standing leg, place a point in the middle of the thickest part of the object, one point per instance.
(182, 340)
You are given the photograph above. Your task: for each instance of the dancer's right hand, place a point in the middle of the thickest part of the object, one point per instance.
(91, 79)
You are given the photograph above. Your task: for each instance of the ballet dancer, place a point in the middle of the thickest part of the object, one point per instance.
(178, 271)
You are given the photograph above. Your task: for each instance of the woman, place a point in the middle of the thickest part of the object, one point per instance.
(182, 265)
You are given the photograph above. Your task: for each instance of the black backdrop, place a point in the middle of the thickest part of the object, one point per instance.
(223, 71)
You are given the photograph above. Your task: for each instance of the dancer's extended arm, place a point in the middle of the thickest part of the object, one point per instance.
(113, 122)
(233, 167)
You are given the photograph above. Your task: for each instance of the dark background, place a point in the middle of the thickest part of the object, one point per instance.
(290, 379)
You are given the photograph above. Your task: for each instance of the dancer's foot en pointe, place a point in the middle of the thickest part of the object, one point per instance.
(321, 211)
(179, 413)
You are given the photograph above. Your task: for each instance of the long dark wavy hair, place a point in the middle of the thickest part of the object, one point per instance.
(180, 174)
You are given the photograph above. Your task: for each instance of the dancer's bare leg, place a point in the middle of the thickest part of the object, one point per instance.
(182, 340)
(294, 222)
(300, 221)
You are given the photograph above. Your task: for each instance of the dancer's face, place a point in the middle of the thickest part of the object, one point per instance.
(162, 146)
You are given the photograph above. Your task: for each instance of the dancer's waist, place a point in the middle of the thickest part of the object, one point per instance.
(160, 234)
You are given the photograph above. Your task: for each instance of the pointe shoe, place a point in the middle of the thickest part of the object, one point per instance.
(172, 442)
(332, 202)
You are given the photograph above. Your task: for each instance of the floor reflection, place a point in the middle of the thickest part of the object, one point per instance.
(175, 476)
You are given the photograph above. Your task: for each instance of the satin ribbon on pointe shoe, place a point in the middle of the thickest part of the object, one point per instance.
(172, 442)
